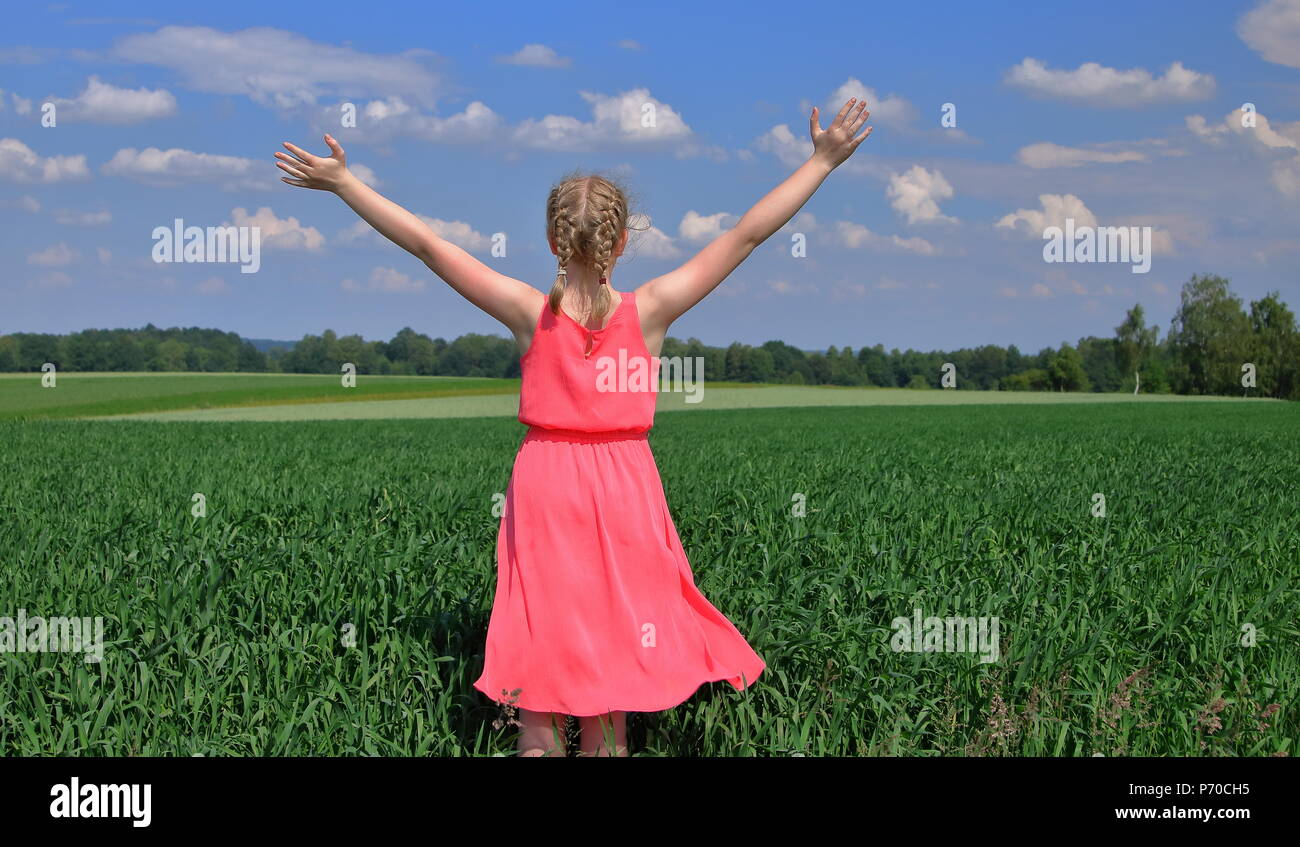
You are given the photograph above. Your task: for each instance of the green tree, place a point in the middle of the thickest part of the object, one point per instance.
(1209, 338)
(1134, 342)
(1065, 371)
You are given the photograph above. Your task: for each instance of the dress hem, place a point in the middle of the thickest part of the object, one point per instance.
(519, 704)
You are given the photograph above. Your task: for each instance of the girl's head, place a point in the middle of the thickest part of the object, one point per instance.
(587, 226)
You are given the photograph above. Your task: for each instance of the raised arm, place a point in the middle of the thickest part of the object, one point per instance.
(510, 301)
(664, 299)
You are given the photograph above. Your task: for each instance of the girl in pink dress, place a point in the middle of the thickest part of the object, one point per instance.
(596, 612)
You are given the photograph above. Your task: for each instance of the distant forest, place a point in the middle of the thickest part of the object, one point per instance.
(1212, 335)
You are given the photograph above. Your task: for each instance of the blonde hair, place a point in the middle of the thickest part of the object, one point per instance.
(586, 216)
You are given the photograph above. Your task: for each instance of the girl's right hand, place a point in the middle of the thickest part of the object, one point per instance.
(308, 171)
(836, 143)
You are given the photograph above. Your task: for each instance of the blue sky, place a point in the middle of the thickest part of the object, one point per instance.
(1117, 114)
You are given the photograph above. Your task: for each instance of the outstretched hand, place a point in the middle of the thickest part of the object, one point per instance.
(308, 171)
(836, 143)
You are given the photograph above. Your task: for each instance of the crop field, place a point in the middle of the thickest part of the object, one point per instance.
(332, 596)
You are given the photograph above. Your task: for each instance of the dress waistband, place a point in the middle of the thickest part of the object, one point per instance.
(543, 433)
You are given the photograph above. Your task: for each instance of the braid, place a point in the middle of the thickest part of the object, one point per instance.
(586, 217)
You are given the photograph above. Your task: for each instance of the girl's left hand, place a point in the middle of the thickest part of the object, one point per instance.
(308, 171)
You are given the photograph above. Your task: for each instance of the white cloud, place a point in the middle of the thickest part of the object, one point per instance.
(105, 255)
(279, 68)
(893, 110)
(1048, 155)
(19, 163)
(782, 143)
(617, 121)
(537, 56)
(176, 167)
(29, 203)
(1279, 143)
(1101, 86)
(1272, 29)
(1039, 290)
(385, 281)
(67, 217)
(393, 116)
(1263, 132)
(700, 228)
(1055, 208)
(22, 105)
(364, 174)
(1008, 291)
(56, 256)
(856, 236)
(917, 193)
(277, 233)
(650, 241)
(107, 104)
(630, 44)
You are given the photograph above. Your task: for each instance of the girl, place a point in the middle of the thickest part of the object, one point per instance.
(596, 612)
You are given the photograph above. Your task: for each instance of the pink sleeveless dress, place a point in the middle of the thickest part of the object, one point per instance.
(596, 608)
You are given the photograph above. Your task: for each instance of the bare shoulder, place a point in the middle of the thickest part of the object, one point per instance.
(649, 307)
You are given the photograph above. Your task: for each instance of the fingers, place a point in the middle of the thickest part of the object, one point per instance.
(294, 172)
(814, 123)
(299, 152)
(843, 111)
(334, 146)
(859, 140)
(290, 161)
(856, 122)
(296, 182)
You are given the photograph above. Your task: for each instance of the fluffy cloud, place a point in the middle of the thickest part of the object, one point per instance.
(380, 120)
(916, 194)
(1233, 126)
(537, 56)
(1055, 208)
(176, 167)
(616, 121)
(278, 68)
(277, 233)
(650, 241)
(855, 236)
(887, 111)
(385, 281)
(1272, 29)
(106, 104)
(1278, 144)
(792, 151)
(1098, 85)
(701, 228)
(19, 163)
(1048, 155)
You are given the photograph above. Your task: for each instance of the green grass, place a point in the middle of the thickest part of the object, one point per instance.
(1119, 635)
(99, 394)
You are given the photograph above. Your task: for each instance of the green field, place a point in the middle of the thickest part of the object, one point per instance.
(229, 634)
(303, 397)
(104, 394)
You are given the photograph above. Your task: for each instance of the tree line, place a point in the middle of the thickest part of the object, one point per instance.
(1212, 343)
